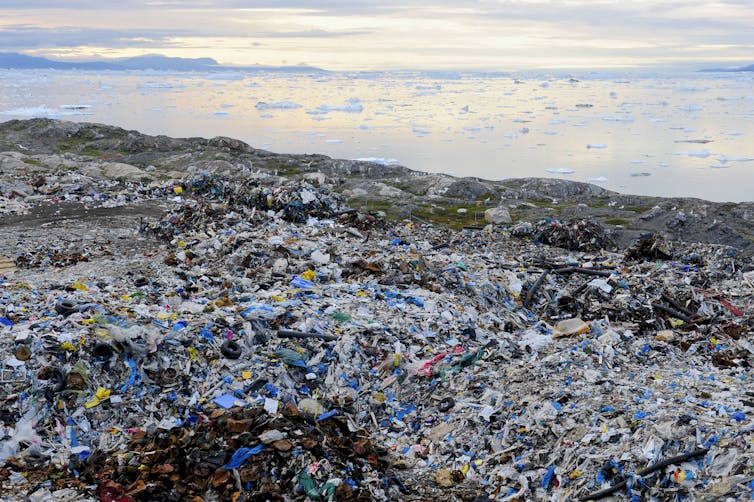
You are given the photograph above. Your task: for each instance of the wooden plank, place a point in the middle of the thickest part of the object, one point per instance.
(7, 266)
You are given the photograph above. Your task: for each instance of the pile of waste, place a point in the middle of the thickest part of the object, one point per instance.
(208, 200)
(273, 343)
(576, 235)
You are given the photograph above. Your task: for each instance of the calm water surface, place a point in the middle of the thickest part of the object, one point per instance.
(681, 135)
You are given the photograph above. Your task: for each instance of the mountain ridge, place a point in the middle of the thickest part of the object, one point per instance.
(16, 60)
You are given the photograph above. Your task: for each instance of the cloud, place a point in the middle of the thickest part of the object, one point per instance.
(26, 36)
(336, 33)
(315, 33)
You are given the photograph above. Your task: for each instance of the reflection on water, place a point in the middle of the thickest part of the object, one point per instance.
(685, 135)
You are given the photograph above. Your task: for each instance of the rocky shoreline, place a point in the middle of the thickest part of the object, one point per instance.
(45, 145)
(196, 319)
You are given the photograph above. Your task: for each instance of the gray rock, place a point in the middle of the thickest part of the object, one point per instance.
(469, 189)
(117, 170)
(652, 213)
(497, 215)
(563, 189)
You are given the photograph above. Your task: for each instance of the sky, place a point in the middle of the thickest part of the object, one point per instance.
(494, 35)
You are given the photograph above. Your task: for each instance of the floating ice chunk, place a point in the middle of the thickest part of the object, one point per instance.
(618, 118)
(379, 160)
(280, 105)
(160, 85)
(691, 88)
(596, 146)
(702, 154)
(720, 166)
(702, 141)
(333, 141)
(557, 121)
(560, 170)
(352, 105)
(735, 133)
(640, 174)
(638, 161)
(599, 179)
(724, 158)
(225, 76)
(691, 107)
(221, 112)
(37, 111)
(421, 131)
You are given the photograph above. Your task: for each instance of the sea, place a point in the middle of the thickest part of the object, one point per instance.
(685, 134)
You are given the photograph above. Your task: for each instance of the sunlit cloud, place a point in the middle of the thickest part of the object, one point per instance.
(389, 34)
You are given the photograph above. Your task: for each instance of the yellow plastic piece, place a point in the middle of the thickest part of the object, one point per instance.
(98, 397)
(68, 346)
(80, 286)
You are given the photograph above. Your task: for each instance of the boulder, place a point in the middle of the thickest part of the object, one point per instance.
(497, 215)
(117, 170)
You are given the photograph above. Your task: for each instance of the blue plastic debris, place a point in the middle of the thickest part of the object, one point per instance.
(326, 415)
(241, 455)
(300, 283)
(228, 401)
(548, 477)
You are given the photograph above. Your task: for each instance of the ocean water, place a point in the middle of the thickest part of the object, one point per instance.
(688, 135)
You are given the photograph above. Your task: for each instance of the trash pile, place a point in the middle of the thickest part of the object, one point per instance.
(273, 343)
(576, 235)
(209, 199)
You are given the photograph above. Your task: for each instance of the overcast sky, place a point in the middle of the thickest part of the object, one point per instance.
(389, 34)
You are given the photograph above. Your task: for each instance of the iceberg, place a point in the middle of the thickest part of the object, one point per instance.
(352, 105)
(379, 160)
(280, 105)
(702, 154)
(225, 76)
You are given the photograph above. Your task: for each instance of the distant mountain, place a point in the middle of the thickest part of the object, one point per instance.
(22, 61)
(146, 62)
(159, 62)
(742, 68)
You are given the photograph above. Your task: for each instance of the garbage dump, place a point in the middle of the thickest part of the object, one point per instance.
(262, 340)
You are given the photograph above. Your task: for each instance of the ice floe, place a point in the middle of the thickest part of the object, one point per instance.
(279, 105)
(379, 160)
(352, 105)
